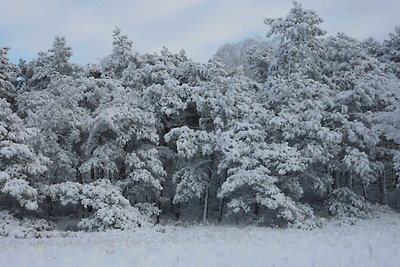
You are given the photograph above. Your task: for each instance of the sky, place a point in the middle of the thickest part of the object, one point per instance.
(197, 26)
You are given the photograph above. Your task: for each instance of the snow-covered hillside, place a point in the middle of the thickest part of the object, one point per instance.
(373, 242)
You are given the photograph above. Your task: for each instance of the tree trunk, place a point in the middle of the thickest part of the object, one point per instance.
(92, 173)
(256, 209)
(222, 199)
(398, 200)
(221, 209)
(122, 172)
(49, 204)
(336, 179)
(383, 188)
(158, 203)
(205, 210)
(79, 177)
(178, 211)
(207, 195)
(364, 188)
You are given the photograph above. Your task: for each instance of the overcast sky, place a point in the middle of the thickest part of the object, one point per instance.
(197, 26)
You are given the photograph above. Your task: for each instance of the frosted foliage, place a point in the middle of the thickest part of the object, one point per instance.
(7, 89)
(302, 112)
(388, 121)
(299, 24)
(358, 162)
(146, 158)
(121, 56)
(144, 177)
(100, 194)
(300, 50)
(112, 210)
(145, 168)
(391, 49)
(113, 217)
(282, 157)
(126, 119)
(251, 56)
(349, 61)
(20, 167)
(115, 125)
(190, 183)
(190, 142)
(149, 70)
(60, 55)
(149, 210)
(103, 157)
(267, 194)
(358, 134)
(197, 146)
(394, 43)
(66, 192)
(224, 100)
(13, 227)
(169, 97)
(26, 195)
(55, 62)
(60, 116)
(346, 203)
(259, 167)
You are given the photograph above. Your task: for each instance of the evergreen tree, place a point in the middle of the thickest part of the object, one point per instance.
(20, 167)
(7, 88)
(300, 48)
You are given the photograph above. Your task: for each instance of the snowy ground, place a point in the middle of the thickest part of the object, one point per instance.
(372, 242)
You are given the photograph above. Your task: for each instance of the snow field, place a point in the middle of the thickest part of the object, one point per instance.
(369, 243)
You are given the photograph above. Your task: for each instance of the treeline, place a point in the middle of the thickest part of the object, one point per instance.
(275, 132)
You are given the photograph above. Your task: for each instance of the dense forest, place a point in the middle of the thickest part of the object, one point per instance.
(278, 132)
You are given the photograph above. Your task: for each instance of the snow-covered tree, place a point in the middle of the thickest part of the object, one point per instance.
(391, 51)
(120, 58)
(300, 48)
(37, 74)
(111, 209)
(258, 174)
(20, 166)
(60, 113)
(121, 146)
(7, 89)
(252, 56)
(362, 91)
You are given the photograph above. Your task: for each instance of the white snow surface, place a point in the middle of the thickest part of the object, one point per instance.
(372, 242)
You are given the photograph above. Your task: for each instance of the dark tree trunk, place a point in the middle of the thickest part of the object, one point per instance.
(336, 179)
(207, 190)
(222, 199)
(383, 188)
(256, 209)
(364, 188)
(398, 200)
(92, 173)
(221, 209)
(178, 211)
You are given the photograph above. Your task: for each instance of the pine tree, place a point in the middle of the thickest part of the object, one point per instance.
(7, 89)
(20, 166)
(37, 74)
(299, 49)
(391, 51)
(120, 58)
